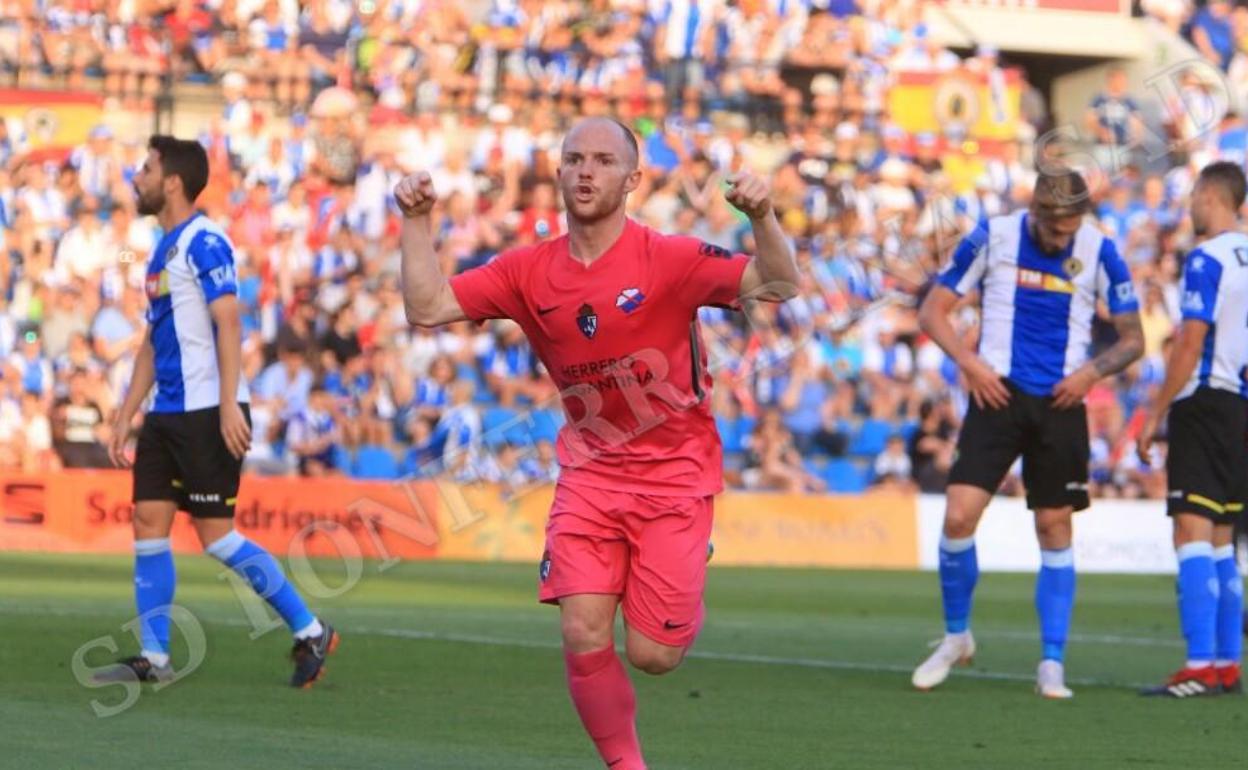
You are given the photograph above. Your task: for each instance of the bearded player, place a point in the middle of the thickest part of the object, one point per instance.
(610, 308)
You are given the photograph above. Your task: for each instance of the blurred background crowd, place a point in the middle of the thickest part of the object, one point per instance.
(326, 103)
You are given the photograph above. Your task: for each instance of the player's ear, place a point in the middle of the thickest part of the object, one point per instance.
(172, 184)
(633, 181)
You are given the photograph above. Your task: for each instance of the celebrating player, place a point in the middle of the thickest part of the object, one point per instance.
(190, 450)
(1040, 274)
(610, 308)
(1207, 464)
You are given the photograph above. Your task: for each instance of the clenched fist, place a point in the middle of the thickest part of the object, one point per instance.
(751, 194)
(415, 194)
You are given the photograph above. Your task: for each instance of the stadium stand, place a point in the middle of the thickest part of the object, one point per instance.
(322, 105)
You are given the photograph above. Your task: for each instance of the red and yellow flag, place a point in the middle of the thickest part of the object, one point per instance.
(53, 120)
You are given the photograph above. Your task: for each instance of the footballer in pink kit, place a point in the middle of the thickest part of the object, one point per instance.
(611, 310)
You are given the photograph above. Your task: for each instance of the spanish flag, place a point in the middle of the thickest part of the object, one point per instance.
(53, 120)
(985, 107)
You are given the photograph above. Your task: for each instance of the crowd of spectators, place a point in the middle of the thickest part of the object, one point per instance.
(836, 389)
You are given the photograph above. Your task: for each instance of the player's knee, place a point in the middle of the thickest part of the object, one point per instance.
(1053, 529)
(960, 522)
(585, 633)
(152, 520)
(655, 660)
(1223, 535)
(1192, 528)
(655, 663)
(964, 506)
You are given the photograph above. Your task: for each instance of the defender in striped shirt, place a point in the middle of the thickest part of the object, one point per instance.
(1207, 463)
(1040, 276)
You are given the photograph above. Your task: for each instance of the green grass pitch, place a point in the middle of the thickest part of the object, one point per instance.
(449, 665)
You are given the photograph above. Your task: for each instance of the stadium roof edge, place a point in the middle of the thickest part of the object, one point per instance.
(1032, 30)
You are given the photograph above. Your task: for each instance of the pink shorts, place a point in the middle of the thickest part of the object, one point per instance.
(650, 550)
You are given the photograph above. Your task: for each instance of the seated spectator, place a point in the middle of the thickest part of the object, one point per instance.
(892, 467)
(267, 455)
(314, 434)
(118, 329)
(933, 446)
(31, 366)
(512, 369)
(76, 358)
(69, 315)
(85, 248)
(802, 393)
(432, 394)
(36, 436)
(1121, 215)
(1114, 119)
(773, 463)
(502, 466)
(1134, 479)
(12, 444)
(342, 339)
(286, 383)
(79, 432)
(1101, 463)
(540, 220)
(888, 358)
(1212, 34)
(457, 434)
(542, 465)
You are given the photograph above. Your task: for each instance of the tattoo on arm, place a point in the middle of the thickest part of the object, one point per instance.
(1128, 348)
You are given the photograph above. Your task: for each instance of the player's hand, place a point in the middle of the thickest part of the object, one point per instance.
(234, 429)
(750, 194)
(117, 443)
(1069, 393)
(415, 195)
(985, 385)
(1144, 442)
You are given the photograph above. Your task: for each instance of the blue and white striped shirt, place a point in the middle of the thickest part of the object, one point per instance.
(192, 266)
(1215, 290)
(1037, 309)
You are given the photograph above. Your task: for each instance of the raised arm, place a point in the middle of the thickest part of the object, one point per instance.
(427, 296)
(772, 274)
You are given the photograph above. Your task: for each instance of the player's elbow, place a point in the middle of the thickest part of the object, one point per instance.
(1131, 342)
(418, 315)
(431, 307)
(927, 316)
(422, 312)
(226, 323)
(784, 290)
(776, 289)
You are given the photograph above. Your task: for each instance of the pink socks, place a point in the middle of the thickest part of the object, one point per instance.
(604, 698)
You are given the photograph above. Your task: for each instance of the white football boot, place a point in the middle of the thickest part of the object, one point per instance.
(953, 650)
(1051, 680)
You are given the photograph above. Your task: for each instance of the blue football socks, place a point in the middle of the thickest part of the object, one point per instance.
(1198, 601)
(959, 570)
(258, 567)
(1055, 598)
(154, 584)
(1230, 641)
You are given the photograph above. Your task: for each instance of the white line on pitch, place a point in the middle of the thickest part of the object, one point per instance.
(727, 657)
